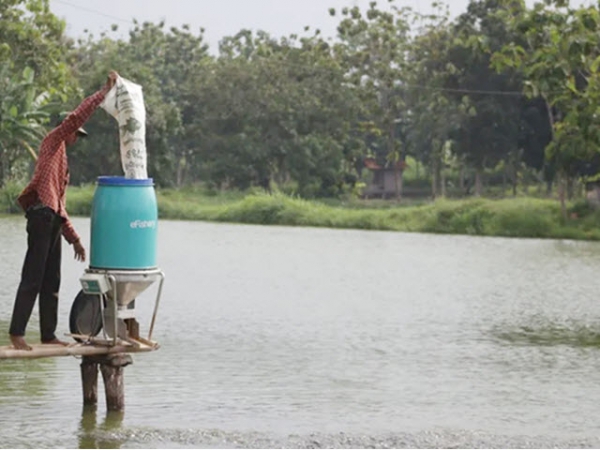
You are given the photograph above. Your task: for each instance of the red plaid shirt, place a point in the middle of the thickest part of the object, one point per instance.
(51, 176)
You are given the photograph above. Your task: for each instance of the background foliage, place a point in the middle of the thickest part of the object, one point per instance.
(493, 101)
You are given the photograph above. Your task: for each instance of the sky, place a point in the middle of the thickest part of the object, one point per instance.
(222, 18)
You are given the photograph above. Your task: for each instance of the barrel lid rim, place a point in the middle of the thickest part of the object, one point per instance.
(122, 181)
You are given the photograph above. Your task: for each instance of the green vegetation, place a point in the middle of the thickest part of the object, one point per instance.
(570, 333)
(522, 217)
(498, 102)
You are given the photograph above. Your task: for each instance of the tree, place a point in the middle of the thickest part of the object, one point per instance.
(374, 48)
(162, 62)
(31, 36)
(491, 135)
(33, 73)
(435, 112)
(560, 61)
(275, 111)
(23, 113)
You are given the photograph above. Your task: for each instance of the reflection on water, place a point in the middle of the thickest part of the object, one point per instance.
(291, 337)
(94, 435)
(23, 378)
(572, 334)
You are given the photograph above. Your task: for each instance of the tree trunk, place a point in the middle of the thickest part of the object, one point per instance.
(398, 183)
(549, 188)
(561, 178)
(515, 181)
(2, 168)
(401, 182)
(524, 182)
(435, 163)
(396, 162)
(180, 171)
(478, 182)
(443, 183)
(561, 196)
(570, 187)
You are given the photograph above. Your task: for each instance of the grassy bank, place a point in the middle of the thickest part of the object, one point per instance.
(518, 217)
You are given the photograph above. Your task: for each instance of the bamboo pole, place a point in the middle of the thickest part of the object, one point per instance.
(49, 351)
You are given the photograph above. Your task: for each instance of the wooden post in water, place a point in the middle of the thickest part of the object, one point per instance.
(111, 367)
(89, 380)
(114, 386)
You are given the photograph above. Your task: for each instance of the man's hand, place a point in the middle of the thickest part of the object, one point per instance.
(79, 251)
(112, 79)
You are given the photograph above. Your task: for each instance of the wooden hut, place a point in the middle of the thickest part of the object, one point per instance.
(383, 183)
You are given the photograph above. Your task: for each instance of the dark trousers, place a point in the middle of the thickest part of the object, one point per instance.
(40, 274)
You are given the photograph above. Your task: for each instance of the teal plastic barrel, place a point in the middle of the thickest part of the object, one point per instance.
(124, 224)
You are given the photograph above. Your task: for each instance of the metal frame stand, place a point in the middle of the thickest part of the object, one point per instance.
(141, 279)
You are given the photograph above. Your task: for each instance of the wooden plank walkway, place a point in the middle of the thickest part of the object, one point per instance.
(75, 349)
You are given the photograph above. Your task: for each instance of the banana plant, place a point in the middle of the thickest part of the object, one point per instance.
(24, 112)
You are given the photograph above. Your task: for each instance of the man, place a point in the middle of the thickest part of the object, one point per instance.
(43, 201)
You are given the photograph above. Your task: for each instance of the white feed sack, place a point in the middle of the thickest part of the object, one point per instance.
(125, 102)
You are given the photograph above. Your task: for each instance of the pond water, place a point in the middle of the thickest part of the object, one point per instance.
(302, 337)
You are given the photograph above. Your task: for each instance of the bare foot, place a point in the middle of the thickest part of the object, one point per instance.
(18, 342)
(55, 341)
